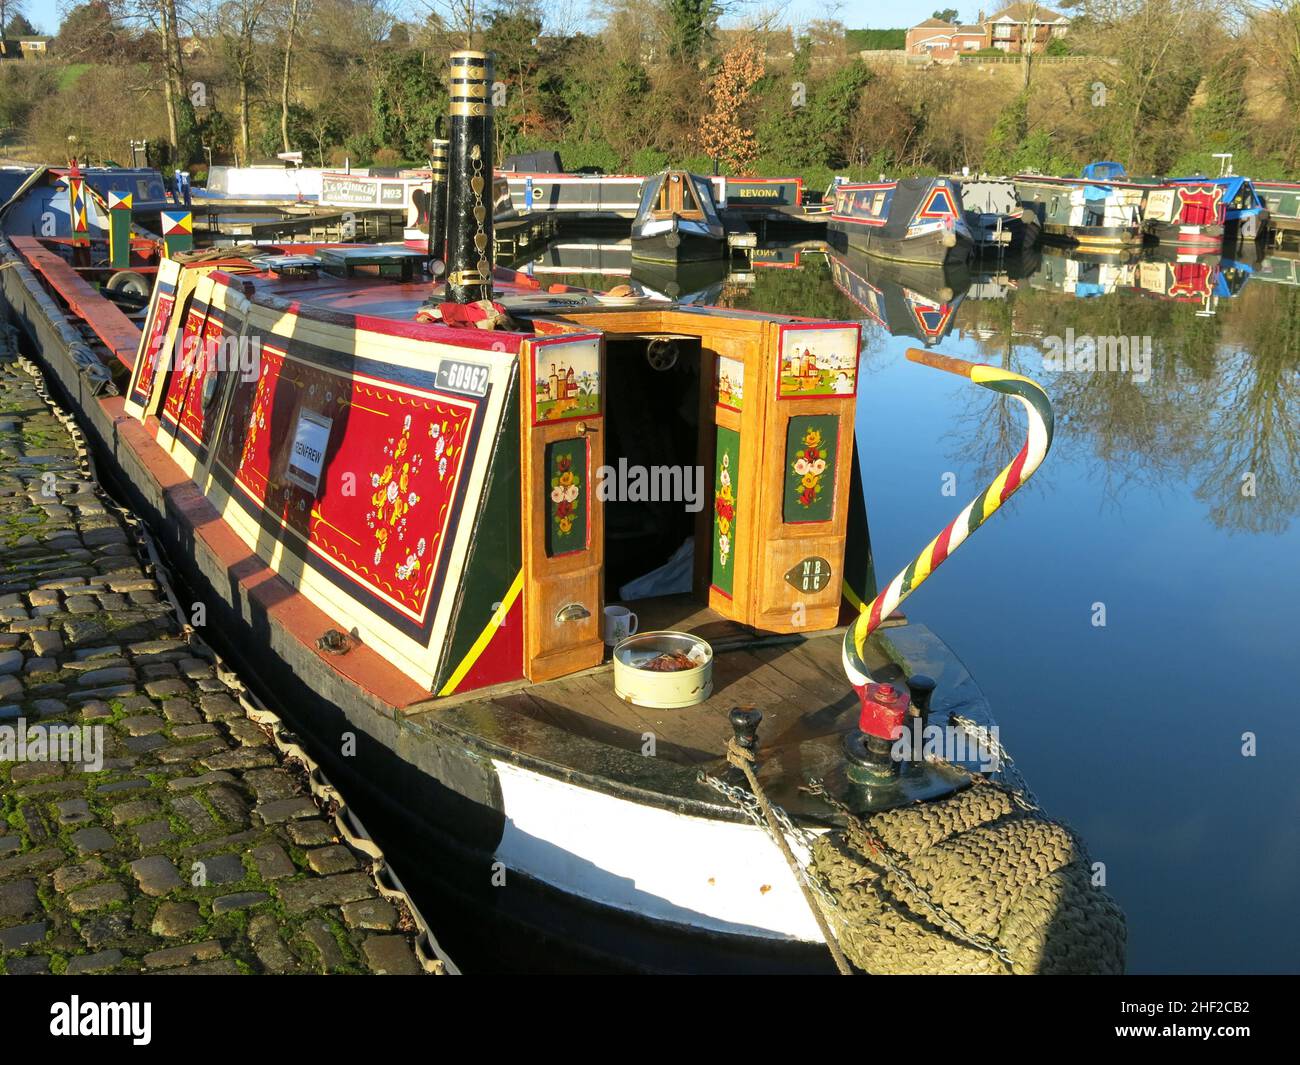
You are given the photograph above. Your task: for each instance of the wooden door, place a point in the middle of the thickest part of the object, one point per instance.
(806, 474)
(562, 450)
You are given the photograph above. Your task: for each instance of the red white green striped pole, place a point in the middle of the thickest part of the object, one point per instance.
(978, 511)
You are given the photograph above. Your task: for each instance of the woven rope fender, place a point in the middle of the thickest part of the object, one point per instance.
(1008, 876)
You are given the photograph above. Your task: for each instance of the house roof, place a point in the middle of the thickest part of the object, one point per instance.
(1021, 12)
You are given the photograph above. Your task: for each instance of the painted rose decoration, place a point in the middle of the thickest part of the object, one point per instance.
(724, 505)
(809, 465)
(565, 487)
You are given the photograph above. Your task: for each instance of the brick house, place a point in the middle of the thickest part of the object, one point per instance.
(944, 40)
(1009, 28)
(1006, 29)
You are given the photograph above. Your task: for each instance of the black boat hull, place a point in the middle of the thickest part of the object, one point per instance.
(936, 248)
(678, 247)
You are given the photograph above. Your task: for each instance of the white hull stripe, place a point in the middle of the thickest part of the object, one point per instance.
(714, 875)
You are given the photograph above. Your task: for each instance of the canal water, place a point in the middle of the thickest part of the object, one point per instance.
(1133, 614)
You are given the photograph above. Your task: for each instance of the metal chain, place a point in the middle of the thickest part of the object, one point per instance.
(1007, 769)
(750, 808)
(882, 854)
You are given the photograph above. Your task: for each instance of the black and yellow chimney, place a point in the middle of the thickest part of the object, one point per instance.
(469, 189)
(437, 209)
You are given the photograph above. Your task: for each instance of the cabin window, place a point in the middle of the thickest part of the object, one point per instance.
(665, 203)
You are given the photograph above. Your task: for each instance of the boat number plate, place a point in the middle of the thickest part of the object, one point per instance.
(809, 574)
(466, 377)
(310, 440)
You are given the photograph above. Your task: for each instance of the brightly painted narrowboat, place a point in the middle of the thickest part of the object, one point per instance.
(677, 220)
(1245, 214)
(913, 220)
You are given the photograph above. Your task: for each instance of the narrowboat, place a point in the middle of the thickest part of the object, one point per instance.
(677, 220)
(904, 298)
(913, 220)
(998, 221)
(1282, 198)
(1245, 215)
(1092, 216)
(1189, 213)
(416, 509)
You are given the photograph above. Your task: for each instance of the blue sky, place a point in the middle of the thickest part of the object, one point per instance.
(45, 14)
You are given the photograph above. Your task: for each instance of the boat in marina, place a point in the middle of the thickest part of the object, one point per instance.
(677, 220)
(998, 221)
(1282, 198)
(914, 220)
(1245, 215)
(1091, 215)
(392, 490)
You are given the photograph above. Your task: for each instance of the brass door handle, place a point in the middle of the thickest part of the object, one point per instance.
(583, 429)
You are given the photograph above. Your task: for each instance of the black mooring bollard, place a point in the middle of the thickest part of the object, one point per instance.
(469, 187)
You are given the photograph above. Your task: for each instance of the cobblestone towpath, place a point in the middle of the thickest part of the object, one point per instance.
(183, 841)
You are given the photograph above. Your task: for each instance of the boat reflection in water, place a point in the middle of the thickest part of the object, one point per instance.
(603, 264)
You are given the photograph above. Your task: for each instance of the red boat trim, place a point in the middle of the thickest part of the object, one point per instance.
(117, 332)
(290, 611)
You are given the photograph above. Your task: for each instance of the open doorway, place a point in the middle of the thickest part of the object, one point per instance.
(653, 449)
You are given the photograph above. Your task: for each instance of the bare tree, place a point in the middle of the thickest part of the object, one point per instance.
(10, 9)
(290, 30)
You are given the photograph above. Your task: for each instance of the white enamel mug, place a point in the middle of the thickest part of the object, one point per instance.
(620, 623)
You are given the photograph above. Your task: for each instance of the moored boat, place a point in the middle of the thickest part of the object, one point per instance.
(997, 219)
(1090, 215)
(1282, 198)
(392, 494)
(677, 220)
(914, 220)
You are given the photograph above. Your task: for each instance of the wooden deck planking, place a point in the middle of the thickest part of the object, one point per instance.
(799, 686)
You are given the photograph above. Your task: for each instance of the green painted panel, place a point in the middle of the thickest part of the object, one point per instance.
(810, 468)
(724, 510)
(567, 494)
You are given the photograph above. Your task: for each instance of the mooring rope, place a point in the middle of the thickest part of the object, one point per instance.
(743, 760)
(978, 511)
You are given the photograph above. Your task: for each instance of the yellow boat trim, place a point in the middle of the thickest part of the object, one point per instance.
(485, 637)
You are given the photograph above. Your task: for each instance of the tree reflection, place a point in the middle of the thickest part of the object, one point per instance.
(1222, 402)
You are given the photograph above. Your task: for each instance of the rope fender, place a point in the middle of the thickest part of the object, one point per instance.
(1017, 884)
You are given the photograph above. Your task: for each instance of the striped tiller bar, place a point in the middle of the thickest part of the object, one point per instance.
(978, 511)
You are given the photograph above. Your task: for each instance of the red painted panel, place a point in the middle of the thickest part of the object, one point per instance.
(1200, 205)
(503, 658)
(144, 384)
(185, 364)
(392, 461)
(206, 364)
